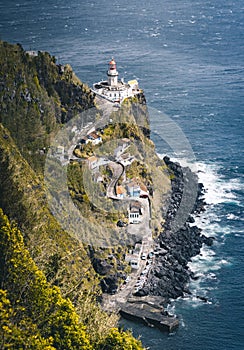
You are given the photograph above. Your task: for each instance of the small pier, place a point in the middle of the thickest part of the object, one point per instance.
(150, 312)
(146, 310)
(150, 317)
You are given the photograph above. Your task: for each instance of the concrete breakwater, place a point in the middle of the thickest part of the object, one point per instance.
(150, 312)
(170, 275)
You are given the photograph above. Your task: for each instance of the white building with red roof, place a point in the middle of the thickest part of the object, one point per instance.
(113, 89)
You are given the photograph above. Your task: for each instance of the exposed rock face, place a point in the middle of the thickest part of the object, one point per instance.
(170, 276)
(101, 266)
(109, 284)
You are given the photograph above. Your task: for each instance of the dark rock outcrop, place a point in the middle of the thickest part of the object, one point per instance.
(109, 284)
(101, 266)
(170, 276)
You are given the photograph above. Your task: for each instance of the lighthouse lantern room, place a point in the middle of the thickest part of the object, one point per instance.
(112, 73)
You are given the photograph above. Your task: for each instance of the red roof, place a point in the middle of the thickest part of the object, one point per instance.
(112, 61)
(94, 135)
(120, 190)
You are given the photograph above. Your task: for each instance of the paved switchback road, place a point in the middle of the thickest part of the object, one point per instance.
(118, 170)
(141, 230)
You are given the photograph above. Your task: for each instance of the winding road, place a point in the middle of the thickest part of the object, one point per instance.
(118, 170)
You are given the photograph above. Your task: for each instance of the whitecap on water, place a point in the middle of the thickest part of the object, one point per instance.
(212, 221)
(218, 189)
(231, 216)
(203, 262)
(206, 262)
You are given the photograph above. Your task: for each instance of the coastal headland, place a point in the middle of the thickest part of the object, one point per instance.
(160, 270)
(98, 210)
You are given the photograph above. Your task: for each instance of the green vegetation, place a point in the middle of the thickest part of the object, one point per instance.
(50, 281)
(36, 96)
(33, 307)
(90, 197)
(147, 168)
(49, 288)
(34, 315)
(23, 198)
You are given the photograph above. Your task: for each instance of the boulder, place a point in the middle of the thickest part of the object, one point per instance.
(109, 284)
(101, 266)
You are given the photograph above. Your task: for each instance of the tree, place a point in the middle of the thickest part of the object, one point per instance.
(119, 340)
(33, 313)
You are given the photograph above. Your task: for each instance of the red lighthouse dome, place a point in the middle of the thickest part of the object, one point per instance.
(112, 64)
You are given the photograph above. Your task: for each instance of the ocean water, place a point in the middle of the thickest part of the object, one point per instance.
(188, 58)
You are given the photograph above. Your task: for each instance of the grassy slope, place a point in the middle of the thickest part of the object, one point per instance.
(34, 315)
(23, 199)
(36, 98)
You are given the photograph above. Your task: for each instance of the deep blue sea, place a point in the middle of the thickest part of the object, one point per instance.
(188, 56)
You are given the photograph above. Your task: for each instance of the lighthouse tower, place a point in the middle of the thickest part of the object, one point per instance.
(112, 73)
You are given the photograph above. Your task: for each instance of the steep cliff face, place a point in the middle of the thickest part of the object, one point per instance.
(36, 96)
(137, 107)
(43, 266)
(22, 196)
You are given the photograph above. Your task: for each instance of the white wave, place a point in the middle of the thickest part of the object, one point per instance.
(212, 221)
(210, 224)
(203, 262)
(238, 235)
(231, 216)
(194, 301)
(218, 189)
(206, 262)
(211, 276)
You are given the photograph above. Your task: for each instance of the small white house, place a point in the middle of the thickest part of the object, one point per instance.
(135, 213)
(92, 137)
(133, 84)
(134, 263)
(92, 162)
(133, 260)
(133, 189)
(32, 53)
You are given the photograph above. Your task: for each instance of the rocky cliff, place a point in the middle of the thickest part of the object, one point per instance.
(37, 97)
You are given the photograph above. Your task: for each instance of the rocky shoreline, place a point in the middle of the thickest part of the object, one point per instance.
(179, 241)
(170, 275)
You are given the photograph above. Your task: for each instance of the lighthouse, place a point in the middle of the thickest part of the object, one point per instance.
(114, 89)
(112, 73)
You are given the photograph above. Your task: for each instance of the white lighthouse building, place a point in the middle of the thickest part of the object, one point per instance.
(112, 73)
(113, 89)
